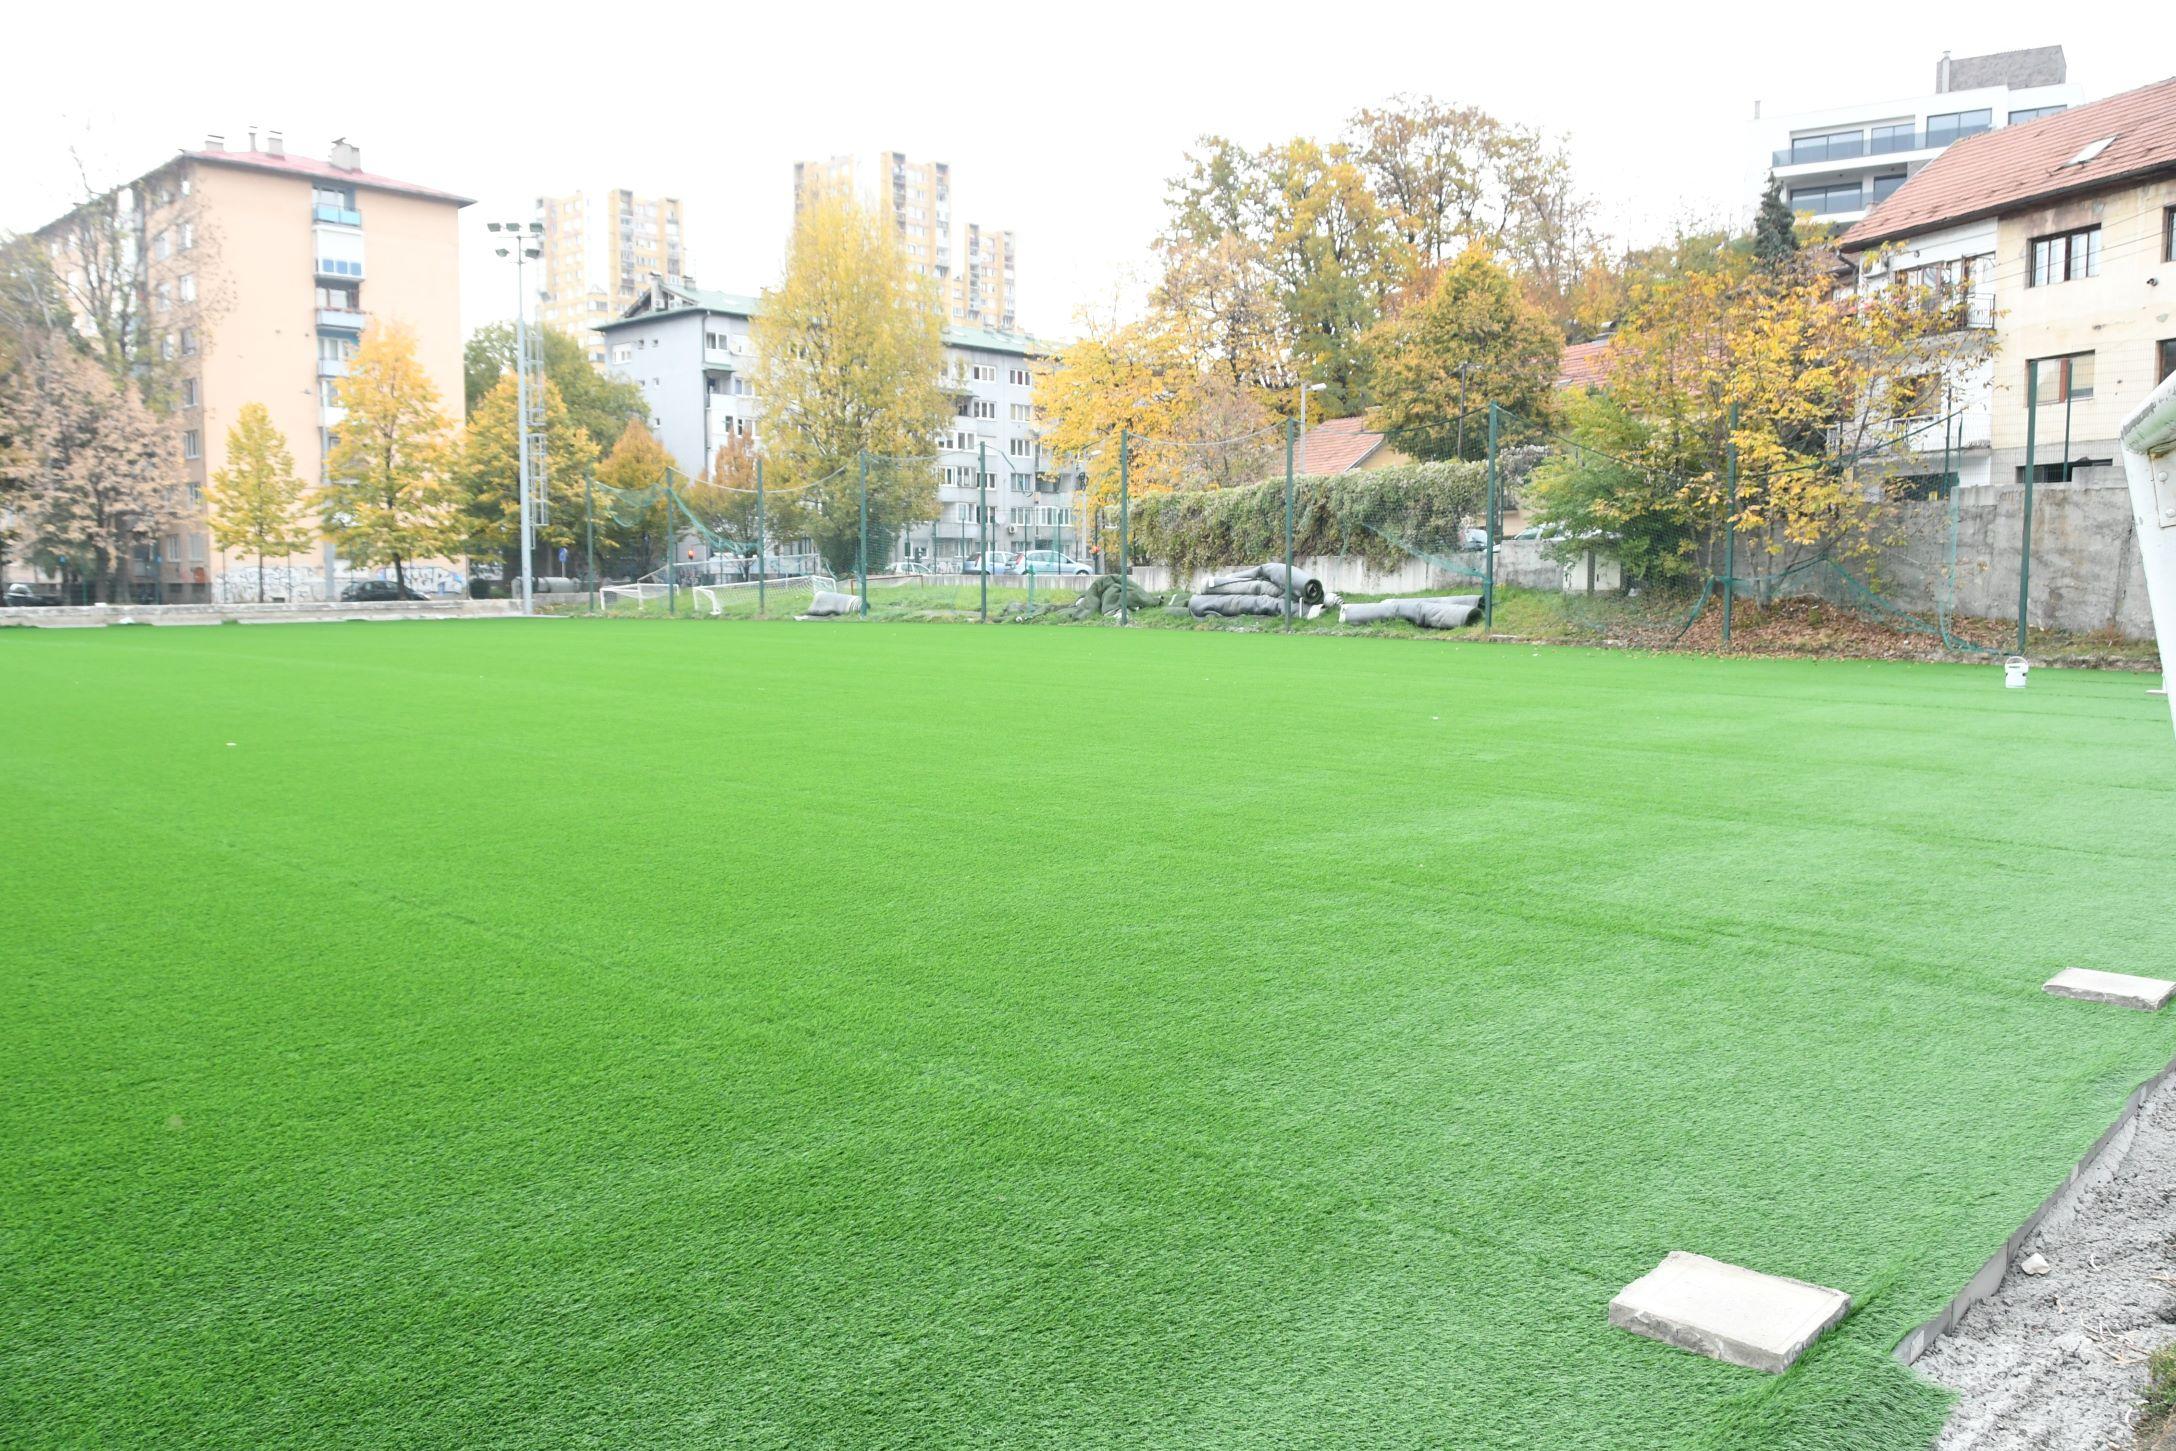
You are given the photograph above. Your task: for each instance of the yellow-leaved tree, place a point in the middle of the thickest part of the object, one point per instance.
(256, 500)
(1471, 339)
(489, 476)
(849, 356)
(388, 499)
(634, 517)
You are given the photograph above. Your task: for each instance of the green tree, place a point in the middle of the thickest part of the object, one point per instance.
(256, 500)
(388, 500)
(1474, 339)
(488, 477)
(597, 403)
(1775, 230)
(849, 353)
(640, 529)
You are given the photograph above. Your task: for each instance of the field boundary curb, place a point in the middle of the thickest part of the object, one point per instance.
(1922, 1337)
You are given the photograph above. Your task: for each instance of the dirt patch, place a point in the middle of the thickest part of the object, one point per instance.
(2059, 1358)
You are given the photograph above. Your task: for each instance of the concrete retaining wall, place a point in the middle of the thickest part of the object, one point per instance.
(95, 616)
(1519, 562)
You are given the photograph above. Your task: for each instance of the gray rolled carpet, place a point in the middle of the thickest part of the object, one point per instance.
(829, 605)
(1233, 606)
(1447, 612)
(1267, 579)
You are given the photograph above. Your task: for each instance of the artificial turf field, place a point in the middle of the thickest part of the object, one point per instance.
(553, 1033)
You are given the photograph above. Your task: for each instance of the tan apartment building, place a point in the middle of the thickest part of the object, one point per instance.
(601, 250)
(2058, 235)
(974, 282)
(259, 270)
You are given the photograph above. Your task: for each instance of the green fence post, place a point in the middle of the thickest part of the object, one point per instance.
(1730, 521)
(861, 544)
(589, 545)
(1288, 437)
(982, 525)
(1945, 603)
(1125, 555)
(763, 547)
(1488, 600)
(2024, 538)
(672, 551)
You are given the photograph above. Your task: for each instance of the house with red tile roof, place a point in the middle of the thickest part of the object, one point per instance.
(2059, 235)
(1342, 445)
(1584, 365)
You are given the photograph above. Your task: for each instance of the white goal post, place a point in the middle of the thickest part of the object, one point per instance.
(2149, 462)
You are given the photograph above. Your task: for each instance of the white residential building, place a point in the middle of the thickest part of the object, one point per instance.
(1837, 164)
(692, 352)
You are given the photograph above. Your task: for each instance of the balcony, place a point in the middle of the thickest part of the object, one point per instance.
(718, 358)
(344, 269)
(337, 216)
(332, 367)
(340, 319)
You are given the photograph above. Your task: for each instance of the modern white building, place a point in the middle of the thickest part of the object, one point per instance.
(692, 352)
(1837, 164)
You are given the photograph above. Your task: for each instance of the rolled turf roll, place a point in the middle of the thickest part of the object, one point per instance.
(1267, 579)
(1452, 612)
(828, 605)
(1233, 606)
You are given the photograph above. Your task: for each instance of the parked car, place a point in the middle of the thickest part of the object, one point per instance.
(377, 591)
(1001, 561)
(1476, 538)
(911, 566)
(26, 595)
(1051, 561)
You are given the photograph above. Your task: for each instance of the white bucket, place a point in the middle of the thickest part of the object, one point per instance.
(2013, 672)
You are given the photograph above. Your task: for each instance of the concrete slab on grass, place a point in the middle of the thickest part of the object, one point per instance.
(2120, 988)
(1763, 1322)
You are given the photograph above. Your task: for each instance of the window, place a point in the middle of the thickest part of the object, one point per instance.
(2168, 235)
(2062, 471)
(333, 196)
(1021, 448)
(1022, 412)
(1830, 146)
(2063, 379)
(1019, 378)
(188, 287)
(162, 297)
(1921, 486)
(188, 235)
(188, 342)
(333, 348)
(339, 298)
(188, 392)
(192, 444)
(2019, 118)
(1885, 187)
(981, 408)
(2164, 358)
(1890, 139)
(623, 353)
(2064, 257)
(984, 373)
(162, 246)
(1956, 125)
(1844, 197)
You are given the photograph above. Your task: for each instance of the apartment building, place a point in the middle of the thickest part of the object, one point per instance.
(975, 281)
(1837, 164)
(692, 352)
(259, 270)
(601, 248)
(2060, 237)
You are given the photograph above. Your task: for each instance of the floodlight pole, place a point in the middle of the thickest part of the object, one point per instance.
(1488, 600)
(762, 547)
(1730, 521)
(521, 425)
(589, 540)
(1125, 553)
(982, 491)
(861, 546)
(1289, 438)
(2024, 548)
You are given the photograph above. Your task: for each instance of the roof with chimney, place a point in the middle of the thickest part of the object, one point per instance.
(2123, 140)
(311, 169)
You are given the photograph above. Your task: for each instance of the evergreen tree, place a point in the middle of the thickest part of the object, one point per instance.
(1775, 229)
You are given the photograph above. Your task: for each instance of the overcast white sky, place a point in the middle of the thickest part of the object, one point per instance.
(1062, 122)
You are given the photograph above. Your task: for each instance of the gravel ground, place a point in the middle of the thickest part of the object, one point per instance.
(2058, 1359)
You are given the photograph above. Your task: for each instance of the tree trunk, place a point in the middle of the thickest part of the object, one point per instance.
(260, 579)
(400, 575)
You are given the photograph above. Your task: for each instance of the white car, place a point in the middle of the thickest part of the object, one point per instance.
(1050, 561)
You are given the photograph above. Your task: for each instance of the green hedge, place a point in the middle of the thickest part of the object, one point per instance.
(1380, 515)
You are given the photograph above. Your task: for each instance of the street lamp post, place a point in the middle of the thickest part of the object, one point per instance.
(1305, 389)
(522, 248)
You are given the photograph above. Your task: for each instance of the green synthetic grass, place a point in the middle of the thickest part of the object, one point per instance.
(640, 1034)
